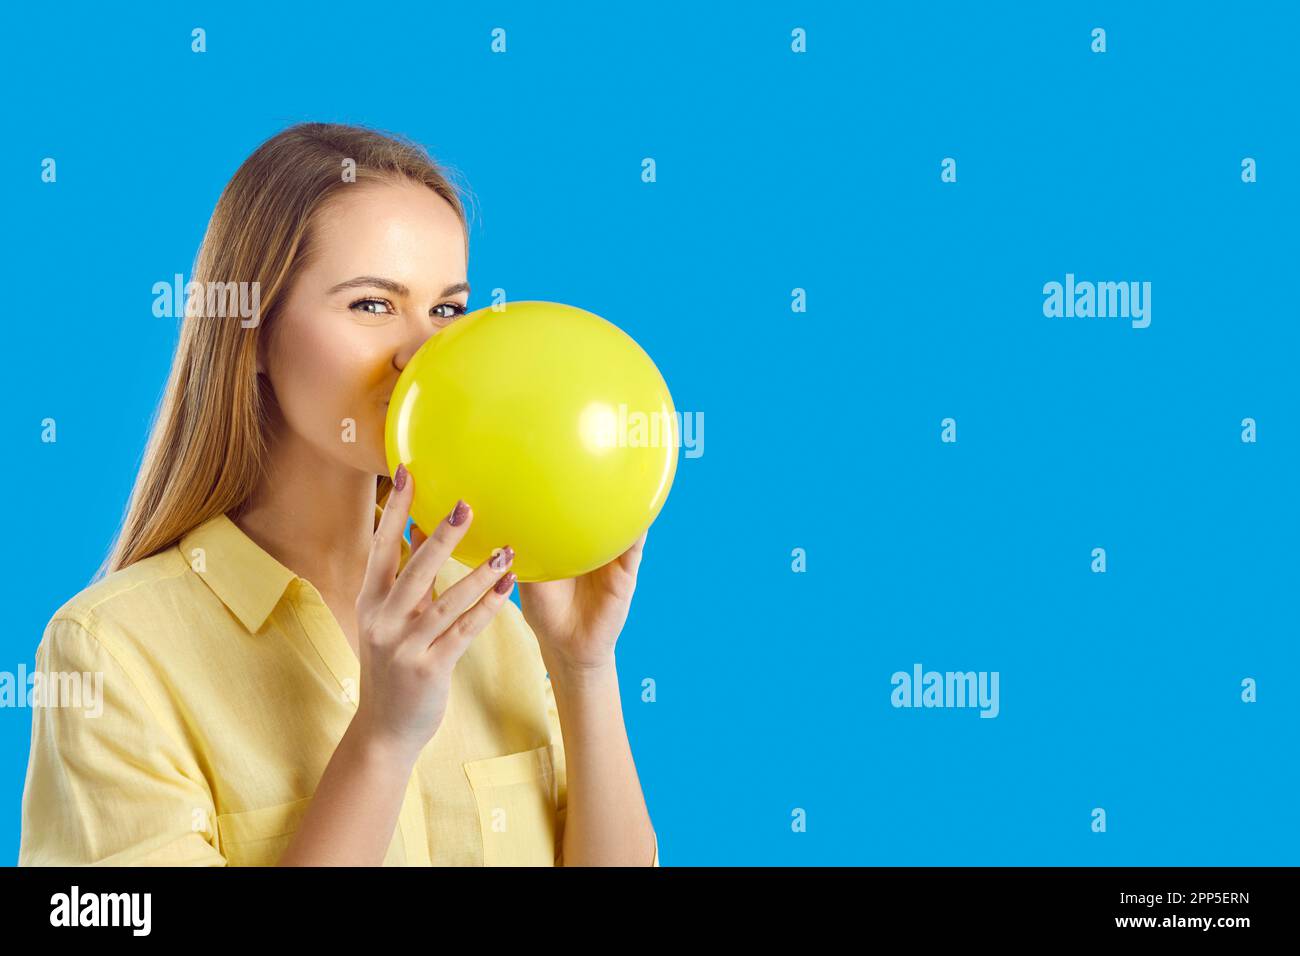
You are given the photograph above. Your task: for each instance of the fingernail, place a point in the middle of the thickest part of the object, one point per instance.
(458, 513)
(505, 584)
(399, 478)
(501, 558)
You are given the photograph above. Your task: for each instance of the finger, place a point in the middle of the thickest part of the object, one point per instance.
(418, 538)
(386, 546)
(631, 558)
(411, 589)
(452, 643)
(458, 598)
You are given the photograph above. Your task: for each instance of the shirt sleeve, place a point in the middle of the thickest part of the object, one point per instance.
(106, 784)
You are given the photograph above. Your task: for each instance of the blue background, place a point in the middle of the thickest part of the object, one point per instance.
(775, 171)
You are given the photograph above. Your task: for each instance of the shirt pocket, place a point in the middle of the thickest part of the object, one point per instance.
(259, 837)
(516, 799)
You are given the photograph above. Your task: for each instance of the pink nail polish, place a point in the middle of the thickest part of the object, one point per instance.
(458, 514)
(399, 478)
(501, 558)
(505, 584)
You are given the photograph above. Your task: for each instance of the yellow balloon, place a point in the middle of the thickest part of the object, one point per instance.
(550, 422)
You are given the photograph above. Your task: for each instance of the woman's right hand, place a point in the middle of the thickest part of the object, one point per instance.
(410, 642)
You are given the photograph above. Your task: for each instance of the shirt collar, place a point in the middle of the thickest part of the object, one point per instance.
(244, 576)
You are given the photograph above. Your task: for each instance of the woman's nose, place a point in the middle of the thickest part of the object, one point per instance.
(414, 335)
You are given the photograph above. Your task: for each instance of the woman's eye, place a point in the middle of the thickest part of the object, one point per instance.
(457, 310)
(364, 303)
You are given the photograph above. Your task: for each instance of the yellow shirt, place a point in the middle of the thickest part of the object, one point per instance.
(227, 683)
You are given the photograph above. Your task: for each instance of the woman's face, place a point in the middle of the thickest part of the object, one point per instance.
(389, 271)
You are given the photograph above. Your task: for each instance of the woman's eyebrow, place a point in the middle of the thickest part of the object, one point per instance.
(388, 285)
(371, 282)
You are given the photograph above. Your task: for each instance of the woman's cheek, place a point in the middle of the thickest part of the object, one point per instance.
(358, 392)
(337, 388)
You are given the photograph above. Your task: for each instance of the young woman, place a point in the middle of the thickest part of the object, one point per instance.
(285, 679)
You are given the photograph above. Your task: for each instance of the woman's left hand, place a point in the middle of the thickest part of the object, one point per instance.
(577, 620)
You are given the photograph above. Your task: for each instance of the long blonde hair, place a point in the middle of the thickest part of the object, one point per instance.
(207, 447)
